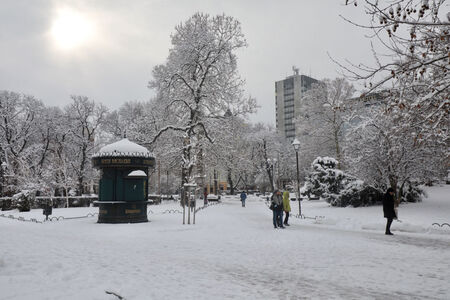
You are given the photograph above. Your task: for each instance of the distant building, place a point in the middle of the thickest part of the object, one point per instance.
(288, 95)
(368, 100)
(222, 186)
(363, 105)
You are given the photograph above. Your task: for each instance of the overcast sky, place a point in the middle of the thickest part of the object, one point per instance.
(123, 40)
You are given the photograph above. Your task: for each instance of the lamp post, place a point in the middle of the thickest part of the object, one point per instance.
(296, 145)
(274, 169)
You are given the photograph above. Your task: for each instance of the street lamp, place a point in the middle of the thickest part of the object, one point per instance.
(296, 145)
(275, 169)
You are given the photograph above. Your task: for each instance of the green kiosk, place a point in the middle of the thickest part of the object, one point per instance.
(123, 188)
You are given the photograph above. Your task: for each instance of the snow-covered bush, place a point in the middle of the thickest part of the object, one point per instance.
(337, 187)
(350, 194)
(356, 194)
(24, 200)
(324, 180)
(411, 192)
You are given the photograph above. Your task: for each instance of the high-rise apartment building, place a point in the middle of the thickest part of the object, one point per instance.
(288, 95)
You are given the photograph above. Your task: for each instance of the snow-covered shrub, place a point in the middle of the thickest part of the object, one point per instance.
(370, 196)
(356, 194)
(350, 194)
(337, 187)
(306, 189)
(24, 200)
(6, 204)
(324, 180)
(412, 192)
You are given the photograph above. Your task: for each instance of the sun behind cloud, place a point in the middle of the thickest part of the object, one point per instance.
(71, 29)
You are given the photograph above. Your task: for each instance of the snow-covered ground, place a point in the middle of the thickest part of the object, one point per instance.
(231, 253)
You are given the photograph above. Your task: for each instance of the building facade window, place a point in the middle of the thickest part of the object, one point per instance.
(288, 92)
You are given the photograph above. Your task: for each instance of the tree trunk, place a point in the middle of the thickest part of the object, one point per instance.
(159, 181)
(185, 169)
(183, 190)
(338, 149)
(230, 182)
(393, 181)
(215, 182)
(81, 171)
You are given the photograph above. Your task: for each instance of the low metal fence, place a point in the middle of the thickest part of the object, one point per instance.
(62, 218)
(51, 219)
(442, 225)
(171, 211)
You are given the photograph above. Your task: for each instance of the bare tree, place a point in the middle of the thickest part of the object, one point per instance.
(266, 147)
(414, 63)
(19, 142)
(85, 117)
(231, 151)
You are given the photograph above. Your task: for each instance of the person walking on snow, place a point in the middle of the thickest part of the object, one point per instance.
(286, 207)
(277, 207)
(388, 209)
(205, 196)
(243, 197)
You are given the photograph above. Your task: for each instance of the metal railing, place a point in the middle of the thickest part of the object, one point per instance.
(441, 225)
(298, 216)
(51, 219)
(208, 205)
(169, 211)
(62, 218)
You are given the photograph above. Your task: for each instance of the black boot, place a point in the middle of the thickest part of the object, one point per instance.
(388, 227)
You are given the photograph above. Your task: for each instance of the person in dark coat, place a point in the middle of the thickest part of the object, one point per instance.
(205, 196)
(388, 209)
(277, 207)
(243, 197)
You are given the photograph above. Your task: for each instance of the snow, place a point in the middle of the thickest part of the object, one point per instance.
(137, 173)
(231, 253)
(413, 217)
(123, 147)
(325, 160)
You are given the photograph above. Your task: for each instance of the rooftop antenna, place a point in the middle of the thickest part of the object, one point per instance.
(295, 69)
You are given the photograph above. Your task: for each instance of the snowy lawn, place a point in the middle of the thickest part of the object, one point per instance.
(231, 253)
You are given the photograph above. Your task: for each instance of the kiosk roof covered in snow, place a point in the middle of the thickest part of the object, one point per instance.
(123, 148)
(123, 154)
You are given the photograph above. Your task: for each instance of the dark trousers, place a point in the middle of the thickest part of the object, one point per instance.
(277, 217)
(286, 218)
(388, 225)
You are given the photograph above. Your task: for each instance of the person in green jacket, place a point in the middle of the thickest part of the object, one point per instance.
(286, 206)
